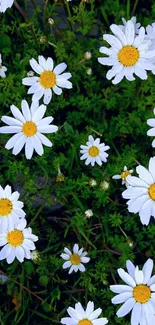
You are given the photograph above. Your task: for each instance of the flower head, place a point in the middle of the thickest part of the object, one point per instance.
(18, 242)
(141, 192)
(92, 182)
(28, 126)
(10, 209)
(5, 4)
(35, 256)
(49, 79)
(104, 185)
(129, 53)
(136, 294)
(151, 132)
(124, 175)
(94, 151)
(89, 213)
(79, 316)
(3, 69)
(74, 260)
(87, 55)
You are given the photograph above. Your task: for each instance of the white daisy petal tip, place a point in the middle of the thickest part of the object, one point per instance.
(28, 127)
(94, 152)
(49, 79)
(74, 260)
(3, 69)
(137, 294)
(89, 316)
(4, 5)
(128, 54)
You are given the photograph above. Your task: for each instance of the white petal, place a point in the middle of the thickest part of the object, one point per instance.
(66, 265)
(12, 141)
(130, 268)
(60, 68)
(5, 251)
(122, 297)
(152, 167)
(119, 288)
(126, 278)
(35, 66)
(146, 211)
(29, 81)
(48, 129)
(144, 174)
(57, 90)
(95, 314)
(11, 256)
(29, 148)
(139, 276)
(11, 121)
(39, 113)
(126, 307)
(130, 32)
(47, 96)
(19, 144)
(90, 308)
(38, 145)
(44, 140)
(50, 64)
(136, 314)
(19, 252)
(147, 270)
(119, 34)
(113, 41)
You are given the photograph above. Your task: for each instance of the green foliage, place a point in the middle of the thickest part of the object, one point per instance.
(40, 292)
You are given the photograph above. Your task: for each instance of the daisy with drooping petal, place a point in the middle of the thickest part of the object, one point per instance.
(151, 132)
(28, 126)
(136, 294)
(124, 175)
(129, 53)
(18, 242)
(3, 69)
(74, 260)
(94, 151)
(10, 209)
(141, 192)
(79, 316)
(49, 79)
(134, 20)
(5, 4)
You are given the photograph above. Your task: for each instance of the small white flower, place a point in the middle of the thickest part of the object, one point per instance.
(141, 192)
(74, 260)
(3, 69)
(94, 151)
(104, 185)
(151, 132)
(5, 4)
(10, 209)
(124, 175)
(35, 256)
(18, 243)
(129, 53)
(88, 213)
(79, 316)
(51, 21)
(92, 182)
(87, 55)
(136, 294)
(89, 71)
(49, 79)
(28, 126)
(134, 20)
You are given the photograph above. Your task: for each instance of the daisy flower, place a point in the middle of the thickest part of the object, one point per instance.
(94, 151)
(129, 53)
(134, 20)
(79, 316)
(49, 79)
(5, 4)
(10, 209)
(3, 69)
(124, 175)
(151, 132)
(74, 260)
(136, 294)
(141, 192)
(28, 126)
(18, 243)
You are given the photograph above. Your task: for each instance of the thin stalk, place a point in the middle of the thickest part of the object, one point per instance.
(134, 8)
(69, 15)
(38, 212)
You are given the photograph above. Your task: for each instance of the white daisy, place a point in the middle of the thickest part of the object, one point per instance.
(18, 243)
(136, 294)
(10, 209)
(49, 79)
(94, 151)
(151, 132)
(134, 20)
(74, 260)
(28, 126)
(79, 316)
(141, 192)
(124, 175)
(3, 69)
(5, 4)
(129, 53)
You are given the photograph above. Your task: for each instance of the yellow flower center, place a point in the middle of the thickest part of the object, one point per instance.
(48, 79)
(75, 259)
(142, 293)
(128, 56)
(152, 192)
(93, 151)
(125, 174)
(15, 238)
(84, 322)
(29, 128)
(5, 207)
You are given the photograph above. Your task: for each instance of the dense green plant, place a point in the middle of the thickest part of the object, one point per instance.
(40, 292)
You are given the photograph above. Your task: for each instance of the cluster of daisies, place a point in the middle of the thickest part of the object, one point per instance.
(131, 52)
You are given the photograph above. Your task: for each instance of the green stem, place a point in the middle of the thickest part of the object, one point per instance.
(69, 15)
(134, 8)
(38, 212)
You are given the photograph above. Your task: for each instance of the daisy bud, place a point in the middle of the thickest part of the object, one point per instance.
(30, 74)
(43, 39)
(104, 185)
(88, 213)
(51, 21)
(92, 182)
(87, 55)
(60, 177)
(35, 256)
(89, 71)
